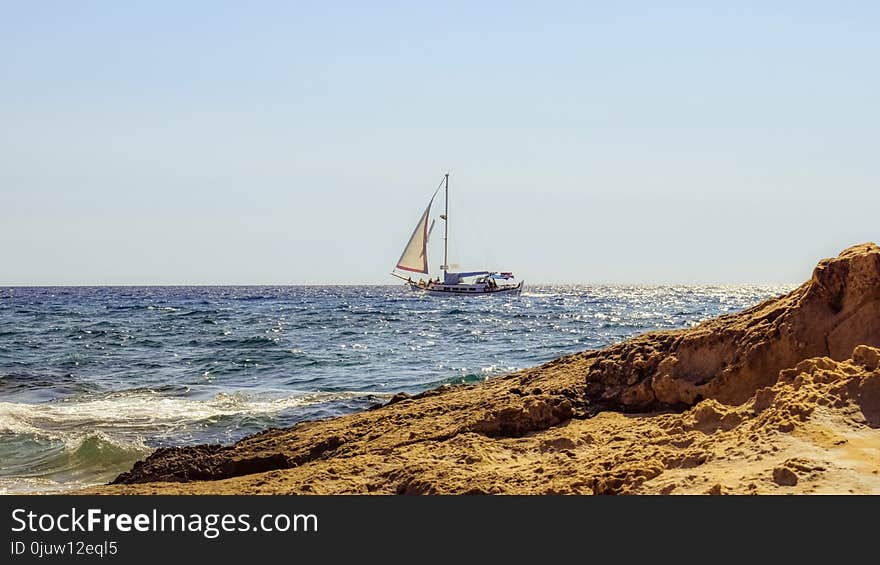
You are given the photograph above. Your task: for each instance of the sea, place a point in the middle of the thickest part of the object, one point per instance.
(94, 378)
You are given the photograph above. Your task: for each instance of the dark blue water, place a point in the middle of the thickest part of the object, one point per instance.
(93, 378)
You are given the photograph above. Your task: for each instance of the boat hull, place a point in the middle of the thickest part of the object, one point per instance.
(466, 289)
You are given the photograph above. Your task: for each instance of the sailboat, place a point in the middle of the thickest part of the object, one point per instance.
(414, 261)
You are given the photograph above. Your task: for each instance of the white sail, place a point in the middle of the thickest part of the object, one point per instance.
(415, 257)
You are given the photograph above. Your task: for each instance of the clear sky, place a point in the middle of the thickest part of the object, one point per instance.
(298, 142)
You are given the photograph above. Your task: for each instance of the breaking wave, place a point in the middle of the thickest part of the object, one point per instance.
(60, 445)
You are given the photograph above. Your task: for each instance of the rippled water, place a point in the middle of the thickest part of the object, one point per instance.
(93, 378)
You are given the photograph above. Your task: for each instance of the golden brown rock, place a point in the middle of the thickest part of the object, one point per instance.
(728, 358)
(783, 397)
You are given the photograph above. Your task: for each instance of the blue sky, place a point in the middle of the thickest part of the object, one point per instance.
(294, 142)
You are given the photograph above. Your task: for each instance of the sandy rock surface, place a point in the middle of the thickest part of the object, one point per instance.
(781, 398)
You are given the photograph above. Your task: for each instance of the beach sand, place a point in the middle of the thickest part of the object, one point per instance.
(781, 398)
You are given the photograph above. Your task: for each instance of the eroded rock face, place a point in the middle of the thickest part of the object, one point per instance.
(730, 357)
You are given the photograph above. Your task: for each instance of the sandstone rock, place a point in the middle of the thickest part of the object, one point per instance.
(784, 476)
(867, 357)
(784, 395)
(728, 358)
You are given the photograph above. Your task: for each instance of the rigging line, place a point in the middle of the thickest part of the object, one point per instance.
(438, 188)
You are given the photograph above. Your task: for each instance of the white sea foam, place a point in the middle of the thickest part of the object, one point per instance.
(28, 485)
(147, 411)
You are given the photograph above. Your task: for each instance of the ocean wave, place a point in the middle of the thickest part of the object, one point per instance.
(32, 454)
(149, 411)
(59, 445)
(32, 462)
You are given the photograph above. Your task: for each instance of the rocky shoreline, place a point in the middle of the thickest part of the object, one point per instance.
(783, 397)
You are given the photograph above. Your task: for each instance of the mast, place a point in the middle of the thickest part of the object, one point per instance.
(446, 232)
